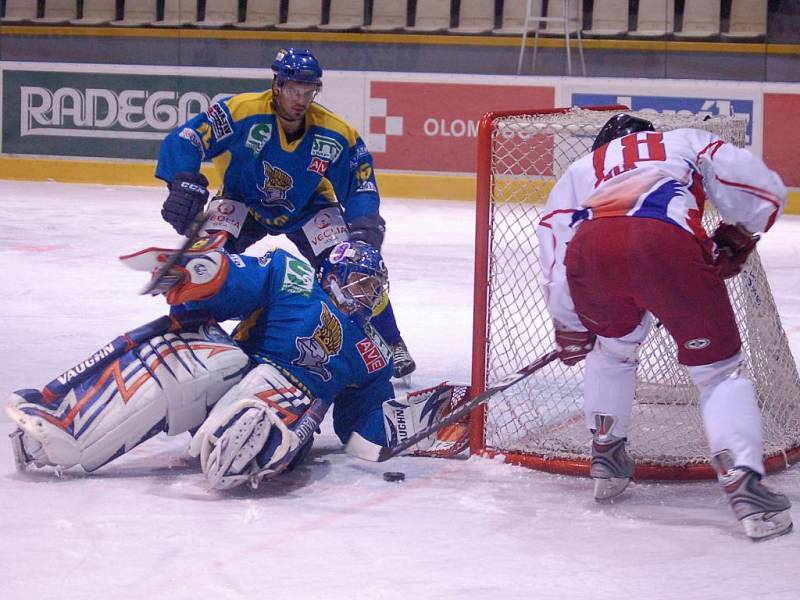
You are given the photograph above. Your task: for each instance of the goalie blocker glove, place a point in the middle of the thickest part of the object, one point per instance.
(733, 245)
(188, 193)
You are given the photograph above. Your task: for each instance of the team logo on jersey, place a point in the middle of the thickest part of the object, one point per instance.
(318, 166)
(697, 344)
(371, 355)
(276, 186)
(258, 136)
(298, 278)
(326, 148)
(190, 134)
(316, 351)
(220, 124)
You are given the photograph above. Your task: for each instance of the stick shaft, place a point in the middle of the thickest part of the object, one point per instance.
(463, 410)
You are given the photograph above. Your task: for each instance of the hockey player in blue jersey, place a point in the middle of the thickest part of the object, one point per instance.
(288, 166)
(254, 401)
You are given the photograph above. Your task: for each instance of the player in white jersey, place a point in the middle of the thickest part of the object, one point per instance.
(621, 239)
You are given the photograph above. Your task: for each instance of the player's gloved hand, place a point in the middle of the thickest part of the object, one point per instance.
(733, 245)
(572, 346)
(187, 195)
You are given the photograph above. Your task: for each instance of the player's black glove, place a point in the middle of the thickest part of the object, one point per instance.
(733, 245)
(187, 195)
(251, 232)
(573, 346)
(369, 228)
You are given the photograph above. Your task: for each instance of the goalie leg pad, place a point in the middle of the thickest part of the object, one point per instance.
(405, 416)
(166, 383)
(252, 433)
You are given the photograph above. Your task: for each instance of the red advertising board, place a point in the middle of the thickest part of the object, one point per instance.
(433, 126)
(781, 127)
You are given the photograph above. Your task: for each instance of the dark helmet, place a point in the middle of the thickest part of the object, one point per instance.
(355, 278)
(619, 125)
(292, 64)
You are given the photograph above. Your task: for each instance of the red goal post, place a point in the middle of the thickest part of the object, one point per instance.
(538, 423)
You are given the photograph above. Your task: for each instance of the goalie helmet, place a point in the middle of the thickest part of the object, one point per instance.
(293, 64)
(619, 125)
(355, 278)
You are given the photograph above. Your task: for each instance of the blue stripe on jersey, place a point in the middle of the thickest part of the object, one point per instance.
(657, 202)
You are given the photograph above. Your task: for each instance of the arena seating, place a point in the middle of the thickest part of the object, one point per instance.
(699, 20)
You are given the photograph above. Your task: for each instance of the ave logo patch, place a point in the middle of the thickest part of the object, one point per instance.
(318, 166)
(371, 355)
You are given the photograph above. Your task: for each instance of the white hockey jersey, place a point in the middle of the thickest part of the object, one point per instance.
(666, 176)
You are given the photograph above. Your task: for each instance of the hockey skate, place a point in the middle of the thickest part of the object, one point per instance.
(764, 514)
(612, 467)
(404, 365)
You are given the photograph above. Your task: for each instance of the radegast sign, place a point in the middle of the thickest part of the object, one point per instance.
(104, 114)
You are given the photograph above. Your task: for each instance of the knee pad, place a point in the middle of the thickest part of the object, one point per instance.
(255, 431)
(166, 383)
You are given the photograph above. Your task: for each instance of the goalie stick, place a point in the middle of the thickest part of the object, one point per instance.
(355, 445)
(193, 233)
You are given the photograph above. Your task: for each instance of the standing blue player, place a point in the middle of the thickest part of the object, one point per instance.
(254, 400)
(288, 166)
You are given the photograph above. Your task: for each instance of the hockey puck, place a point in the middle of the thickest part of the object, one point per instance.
(394, 476)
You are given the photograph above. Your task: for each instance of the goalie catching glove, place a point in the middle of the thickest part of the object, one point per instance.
(733, 245)
(260, 428)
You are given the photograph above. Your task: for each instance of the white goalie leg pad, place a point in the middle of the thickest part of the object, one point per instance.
(610, 379)
(403, 417)
(231, 442)
(166, 383)
(731, 417)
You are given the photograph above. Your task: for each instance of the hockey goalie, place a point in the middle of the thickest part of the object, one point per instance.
(252, 400)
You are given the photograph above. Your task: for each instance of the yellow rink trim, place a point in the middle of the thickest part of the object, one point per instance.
(392, 184)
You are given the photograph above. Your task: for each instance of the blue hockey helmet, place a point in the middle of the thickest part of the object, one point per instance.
(619, 125)
(292, 64)
(355, 278)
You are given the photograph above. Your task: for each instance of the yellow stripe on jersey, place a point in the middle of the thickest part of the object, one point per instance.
(248, 104)
(221, 164)
(321, 117)
(325, 189)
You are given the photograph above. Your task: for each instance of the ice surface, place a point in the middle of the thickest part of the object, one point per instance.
(145, 528)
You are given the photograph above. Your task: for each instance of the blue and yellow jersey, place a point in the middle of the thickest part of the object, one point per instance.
(287, 319)
(282, 183)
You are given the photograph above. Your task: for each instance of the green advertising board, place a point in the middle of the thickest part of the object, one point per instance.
(109, 114)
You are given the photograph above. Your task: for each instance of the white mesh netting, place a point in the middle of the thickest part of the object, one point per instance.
(542, 415)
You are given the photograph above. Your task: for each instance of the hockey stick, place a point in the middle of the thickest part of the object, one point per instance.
(193, 232)
(385, 453)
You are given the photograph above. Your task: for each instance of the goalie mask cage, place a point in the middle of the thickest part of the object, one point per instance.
(539, 422)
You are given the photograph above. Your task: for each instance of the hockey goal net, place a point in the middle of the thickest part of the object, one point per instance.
(539, 422)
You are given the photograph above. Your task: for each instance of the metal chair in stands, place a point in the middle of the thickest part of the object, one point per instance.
(560, 19)
(177, 13)
(219, 13)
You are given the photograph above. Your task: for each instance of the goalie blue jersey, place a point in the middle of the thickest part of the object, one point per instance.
(288, 320)
(283, 183)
